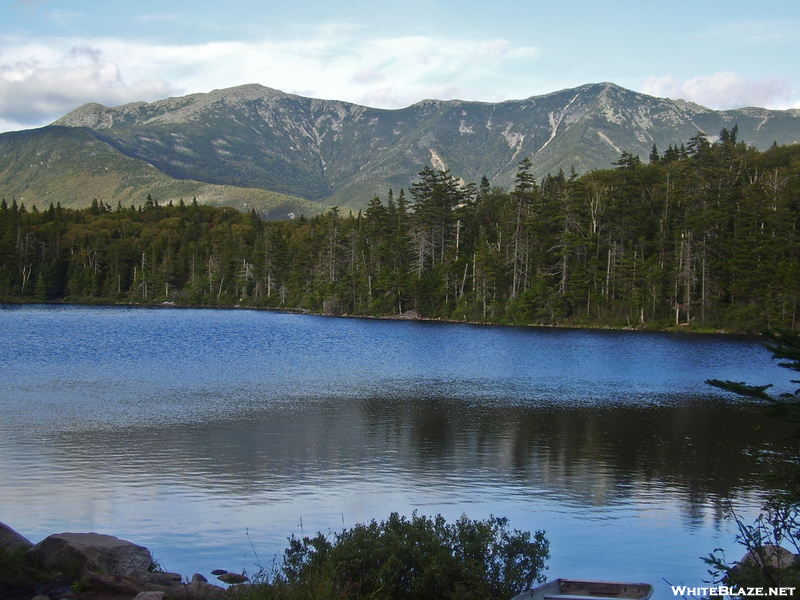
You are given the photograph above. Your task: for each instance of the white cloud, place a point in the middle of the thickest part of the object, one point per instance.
(43, 79)
(335, 64)
(723, 90)
(367, 74)
(46, 84)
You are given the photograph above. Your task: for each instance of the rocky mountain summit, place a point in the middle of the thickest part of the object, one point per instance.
(313, 153)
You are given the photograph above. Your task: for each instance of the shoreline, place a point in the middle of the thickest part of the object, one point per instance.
(412, 315)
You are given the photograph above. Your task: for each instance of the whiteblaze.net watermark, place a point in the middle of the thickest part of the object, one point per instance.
(731, 592)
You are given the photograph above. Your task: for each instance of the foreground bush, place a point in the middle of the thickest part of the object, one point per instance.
(413, 558)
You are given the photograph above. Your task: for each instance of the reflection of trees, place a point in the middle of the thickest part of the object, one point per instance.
(701, 449)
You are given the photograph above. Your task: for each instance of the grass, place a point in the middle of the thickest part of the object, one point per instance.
(16, 569)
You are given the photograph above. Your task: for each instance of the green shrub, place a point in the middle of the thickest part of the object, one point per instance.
(413, 558)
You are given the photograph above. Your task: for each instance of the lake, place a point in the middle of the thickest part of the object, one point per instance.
(211, 436)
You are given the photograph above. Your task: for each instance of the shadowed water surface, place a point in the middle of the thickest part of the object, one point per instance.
(197, 432)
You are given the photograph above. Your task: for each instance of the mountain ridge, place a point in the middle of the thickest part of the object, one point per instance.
(330, 152)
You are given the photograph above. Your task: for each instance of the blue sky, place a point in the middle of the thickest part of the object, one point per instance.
(56, 54)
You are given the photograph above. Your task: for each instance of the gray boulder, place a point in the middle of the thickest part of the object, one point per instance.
(157, 577)
(115, 585)
(74, 554)
(204, 591)
(11, 541)
(232, 578)
(161, 579)
(769, 556)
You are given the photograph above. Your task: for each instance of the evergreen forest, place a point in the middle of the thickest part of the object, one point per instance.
(702, 236)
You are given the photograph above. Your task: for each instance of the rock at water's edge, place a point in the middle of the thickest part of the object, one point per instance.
(76, 553)
(11, 541)
(232, 578)
(769, 555)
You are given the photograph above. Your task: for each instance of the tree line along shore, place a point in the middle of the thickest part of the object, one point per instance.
(702, 236)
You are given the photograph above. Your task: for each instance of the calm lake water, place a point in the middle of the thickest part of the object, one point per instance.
(212, 435)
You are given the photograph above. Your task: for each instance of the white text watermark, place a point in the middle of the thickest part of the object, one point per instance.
(732, 592)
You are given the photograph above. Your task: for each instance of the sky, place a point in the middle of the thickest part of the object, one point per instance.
(56, 55)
